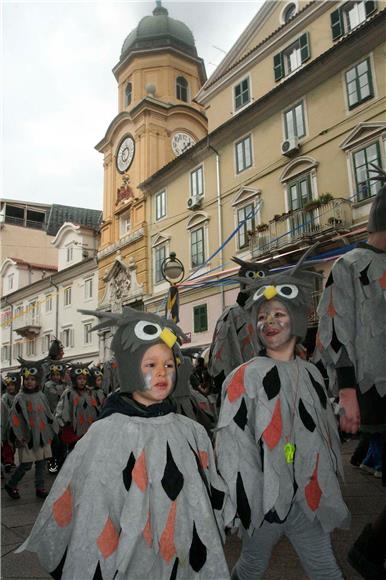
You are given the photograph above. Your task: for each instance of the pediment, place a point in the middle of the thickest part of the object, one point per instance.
(118, 266)
(255, 32)
(120, 120)
(159, 239)
(298, 166)
(362, 132)
(245, 194)
(198, 218)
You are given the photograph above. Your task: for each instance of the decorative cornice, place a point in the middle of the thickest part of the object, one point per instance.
(121, 243)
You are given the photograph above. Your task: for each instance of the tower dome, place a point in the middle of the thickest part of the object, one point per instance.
(159, 31)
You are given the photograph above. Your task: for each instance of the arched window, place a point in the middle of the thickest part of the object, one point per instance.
(182, 89)
(128, 94)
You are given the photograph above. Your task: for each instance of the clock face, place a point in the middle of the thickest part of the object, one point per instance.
(125, 154)
(181, 142)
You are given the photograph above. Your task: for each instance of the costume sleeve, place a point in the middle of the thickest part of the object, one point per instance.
(337, 325)
(19, 422)
(238, 456)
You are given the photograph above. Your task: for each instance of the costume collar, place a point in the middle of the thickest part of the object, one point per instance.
(367, 246)
(123, 403)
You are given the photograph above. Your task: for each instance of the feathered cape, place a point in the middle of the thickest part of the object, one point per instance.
(267, 404)
(235, 341)
(79, 409)
(137, 498)
(31, 420)
(352, 317)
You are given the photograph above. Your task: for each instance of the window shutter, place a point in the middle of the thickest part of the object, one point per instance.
(278, 67)
(304, 41)
(336, 24)
(71, 337)
(370, 7)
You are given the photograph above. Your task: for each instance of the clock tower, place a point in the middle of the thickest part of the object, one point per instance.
(158, 74)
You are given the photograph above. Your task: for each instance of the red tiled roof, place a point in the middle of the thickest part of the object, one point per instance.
(34, 265)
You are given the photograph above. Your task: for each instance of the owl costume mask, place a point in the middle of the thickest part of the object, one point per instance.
(77, 369)
(32, 367)
(136, 332)
(292, 288)
(56, 368)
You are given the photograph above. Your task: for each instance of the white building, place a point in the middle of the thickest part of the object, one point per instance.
(43, 301)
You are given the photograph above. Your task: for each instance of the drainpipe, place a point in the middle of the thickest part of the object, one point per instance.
(10, 331)
(219, 216)
(57, 307)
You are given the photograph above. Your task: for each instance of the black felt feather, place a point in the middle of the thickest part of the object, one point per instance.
(306, 418)
(172, 480)
(197, 552)
(243, 507)
(271, 383)
(127, 472)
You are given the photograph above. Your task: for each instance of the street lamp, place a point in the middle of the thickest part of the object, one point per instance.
(173, 271)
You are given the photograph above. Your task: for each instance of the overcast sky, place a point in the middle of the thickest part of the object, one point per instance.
(60, 94)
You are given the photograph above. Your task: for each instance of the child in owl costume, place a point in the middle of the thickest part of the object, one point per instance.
(11, 384)
(32, 428)
(95, 386)
(235, 340)
(352, 343)
(139, 497)
(78, 406)
(277, 441)
(53, 390)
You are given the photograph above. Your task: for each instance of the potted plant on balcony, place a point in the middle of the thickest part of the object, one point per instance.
(261, 228)
(325, 198)
(312, 204)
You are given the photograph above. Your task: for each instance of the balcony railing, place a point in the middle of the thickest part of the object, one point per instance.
(336, 215)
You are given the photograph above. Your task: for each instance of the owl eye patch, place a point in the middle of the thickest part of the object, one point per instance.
(31, 371)
(147, 330)
(287, 290)
(259, 292)
(250, 274)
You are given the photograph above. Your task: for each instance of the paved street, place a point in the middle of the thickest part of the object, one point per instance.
(363, 493)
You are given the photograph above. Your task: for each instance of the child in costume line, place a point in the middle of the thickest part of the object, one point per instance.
(53, 389)
(277, 442)
(79, 405)
(33, 427)
(139, 496)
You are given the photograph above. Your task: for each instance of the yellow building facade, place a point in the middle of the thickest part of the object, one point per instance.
(296, 116)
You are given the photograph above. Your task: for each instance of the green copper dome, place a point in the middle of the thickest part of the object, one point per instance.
(159, 31)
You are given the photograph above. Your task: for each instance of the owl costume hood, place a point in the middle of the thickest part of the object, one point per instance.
(56, 367)
(137, 331)
(235, 339)
(77, 369)
(32, 367)
(293, 288)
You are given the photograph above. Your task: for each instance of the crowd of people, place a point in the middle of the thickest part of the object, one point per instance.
(155, 467)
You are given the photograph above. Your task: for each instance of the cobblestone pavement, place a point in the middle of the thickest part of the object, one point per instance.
(363, 493)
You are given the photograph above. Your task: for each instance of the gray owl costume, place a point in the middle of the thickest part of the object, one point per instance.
(52, 390)
(277, 442)
(139, 497)
(31, 419)
(79, 408)
(235, 340)
(352, 321)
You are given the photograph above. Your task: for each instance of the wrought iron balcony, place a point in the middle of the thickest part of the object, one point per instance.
(295, 226)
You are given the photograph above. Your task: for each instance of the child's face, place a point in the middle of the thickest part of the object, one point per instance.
(11, 388)
(67, 377)
(55, 377)
(81, 381)
(29, 383)
(98, 382)
(159, 373)
(274, 325)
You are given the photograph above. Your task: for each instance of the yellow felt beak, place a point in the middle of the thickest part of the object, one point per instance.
(270, 292)
(26, 373)
(168, 337)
